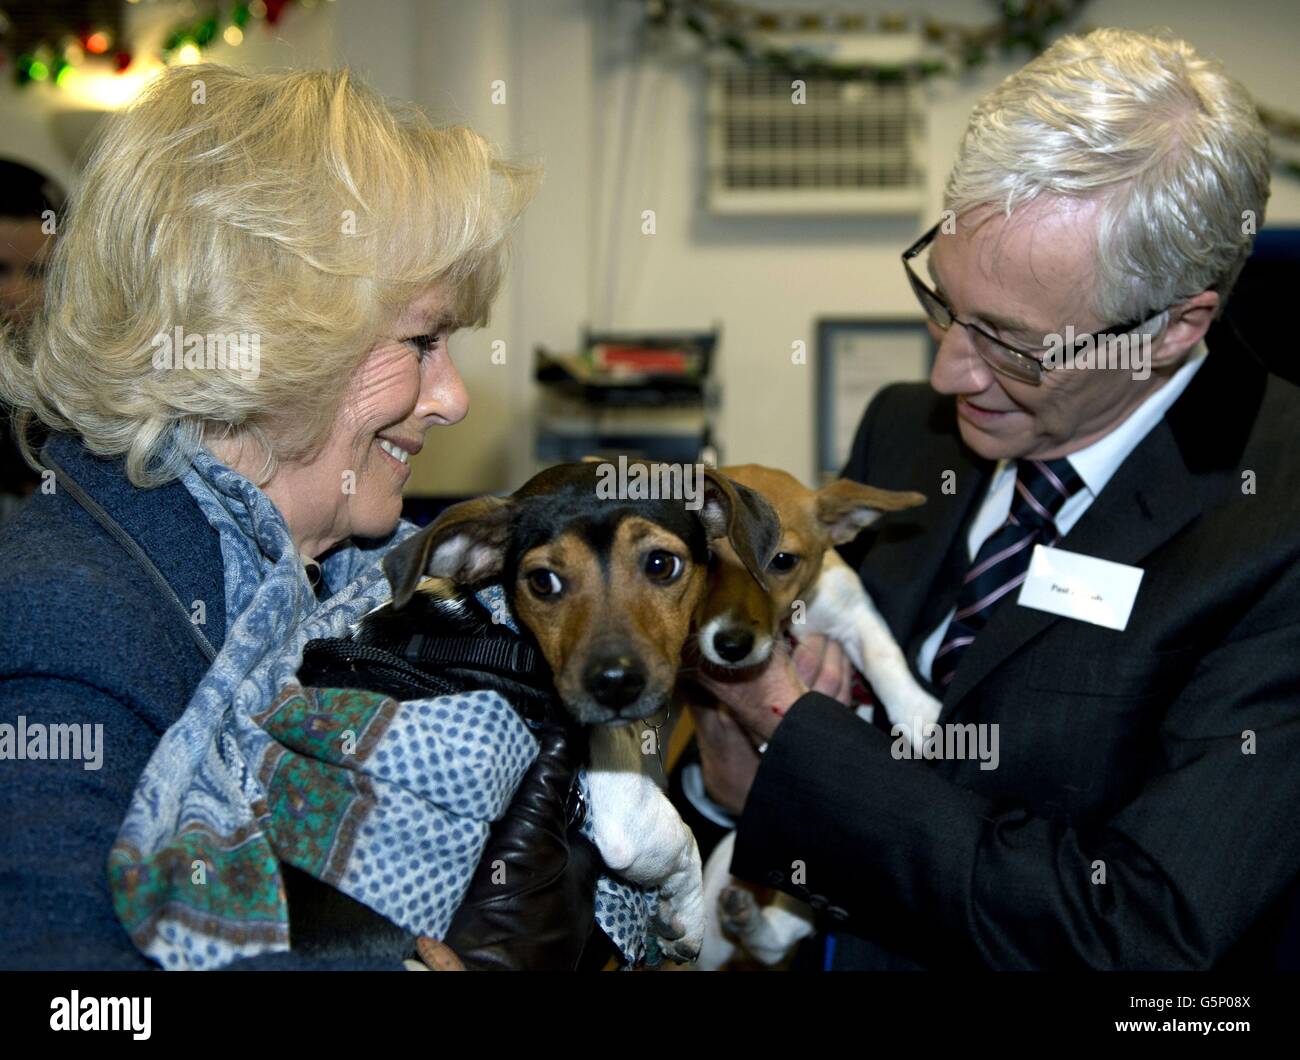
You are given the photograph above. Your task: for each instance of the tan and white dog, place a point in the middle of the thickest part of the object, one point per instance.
(742, 621)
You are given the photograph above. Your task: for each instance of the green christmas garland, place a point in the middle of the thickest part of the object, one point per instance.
(1021, 26)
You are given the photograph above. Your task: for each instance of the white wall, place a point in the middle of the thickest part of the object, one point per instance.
(620, 133)
(542, 53)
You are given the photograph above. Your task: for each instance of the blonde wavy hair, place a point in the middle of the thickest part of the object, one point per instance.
(1170, 144)
(302, 208)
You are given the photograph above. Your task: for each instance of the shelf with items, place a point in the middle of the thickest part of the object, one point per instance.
(642, 394)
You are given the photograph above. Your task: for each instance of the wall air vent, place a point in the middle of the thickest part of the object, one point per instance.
(828, 146)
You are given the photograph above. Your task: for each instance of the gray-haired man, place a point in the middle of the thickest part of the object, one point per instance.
(1110, 578)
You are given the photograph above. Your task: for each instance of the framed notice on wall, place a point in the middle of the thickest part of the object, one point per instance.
(855, 358)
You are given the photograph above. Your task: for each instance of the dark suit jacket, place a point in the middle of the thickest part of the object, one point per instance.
(1124, 756)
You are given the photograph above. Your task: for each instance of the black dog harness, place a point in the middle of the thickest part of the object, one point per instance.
(438, 646)
(432, 647)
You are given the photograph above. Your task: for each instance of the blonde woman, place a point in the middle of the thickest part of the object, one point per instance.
(243, 344)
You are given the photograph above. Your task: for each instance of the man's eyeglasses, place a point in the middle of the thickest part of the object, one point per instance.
(1026, 366)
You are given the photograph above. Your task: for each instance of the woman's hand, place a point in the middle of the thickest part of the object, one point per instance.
(434, 956)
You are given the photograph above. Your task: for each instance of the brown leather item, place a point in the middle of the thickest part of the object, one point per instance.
(531, 901)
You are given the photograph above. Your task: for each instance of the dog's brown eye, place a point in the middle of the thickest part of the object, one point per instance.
(661, 566)
(783, 562)
(544, 582)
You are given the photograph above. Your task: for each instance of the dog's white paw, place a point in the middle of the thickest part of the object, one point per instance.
(737, 910)
(910, 714)
(685, 950)
(679, 924)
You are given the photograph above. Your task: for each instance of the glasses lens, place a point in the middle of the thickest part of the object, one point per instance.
(934, 309)
(1004, 360)
(998, 357)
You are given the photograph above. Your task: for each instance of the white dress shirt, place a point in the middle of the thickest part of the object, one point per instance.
(1094, 464)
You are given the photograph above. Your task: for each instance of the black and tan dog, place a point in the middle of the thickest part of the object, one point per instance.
(610, 589)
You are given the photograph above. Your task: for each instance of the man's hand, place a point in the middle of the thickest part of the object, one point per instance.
(753, 706)
(823, 666)
(728, 759)
(759, 698)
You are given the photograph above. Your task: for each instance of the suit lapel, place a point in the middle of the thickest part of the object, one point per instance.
(936, 576)
(1176, 470)
(906, 575)
(1143, 506)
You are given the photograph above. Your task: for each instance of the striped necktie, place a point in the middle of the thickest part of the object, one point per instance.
(1003, 560)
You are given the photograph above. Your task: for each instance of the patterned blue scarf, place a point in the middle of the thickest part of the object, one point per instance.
(390, 803)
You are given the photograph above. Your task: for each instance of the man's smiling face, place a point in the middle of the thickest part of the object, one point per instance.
(1021, 279)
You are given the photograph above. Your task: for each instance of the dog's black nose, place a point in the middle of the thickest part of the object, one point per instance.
(733, 644)
(614, 681)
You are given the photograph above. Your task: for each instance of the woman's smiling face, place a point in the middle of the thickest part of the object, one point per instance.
(406, 384)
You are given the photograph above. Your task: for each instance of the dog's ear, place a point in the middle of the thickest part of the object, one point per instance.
(741, 515)
(846, 508)
(466, 543)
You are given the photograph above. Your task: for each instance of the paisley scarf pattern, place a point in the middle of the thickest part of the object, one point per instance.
(389, 802)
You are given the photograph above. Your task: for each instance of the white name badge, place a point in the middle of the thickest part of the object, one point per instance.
(1078, 586)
